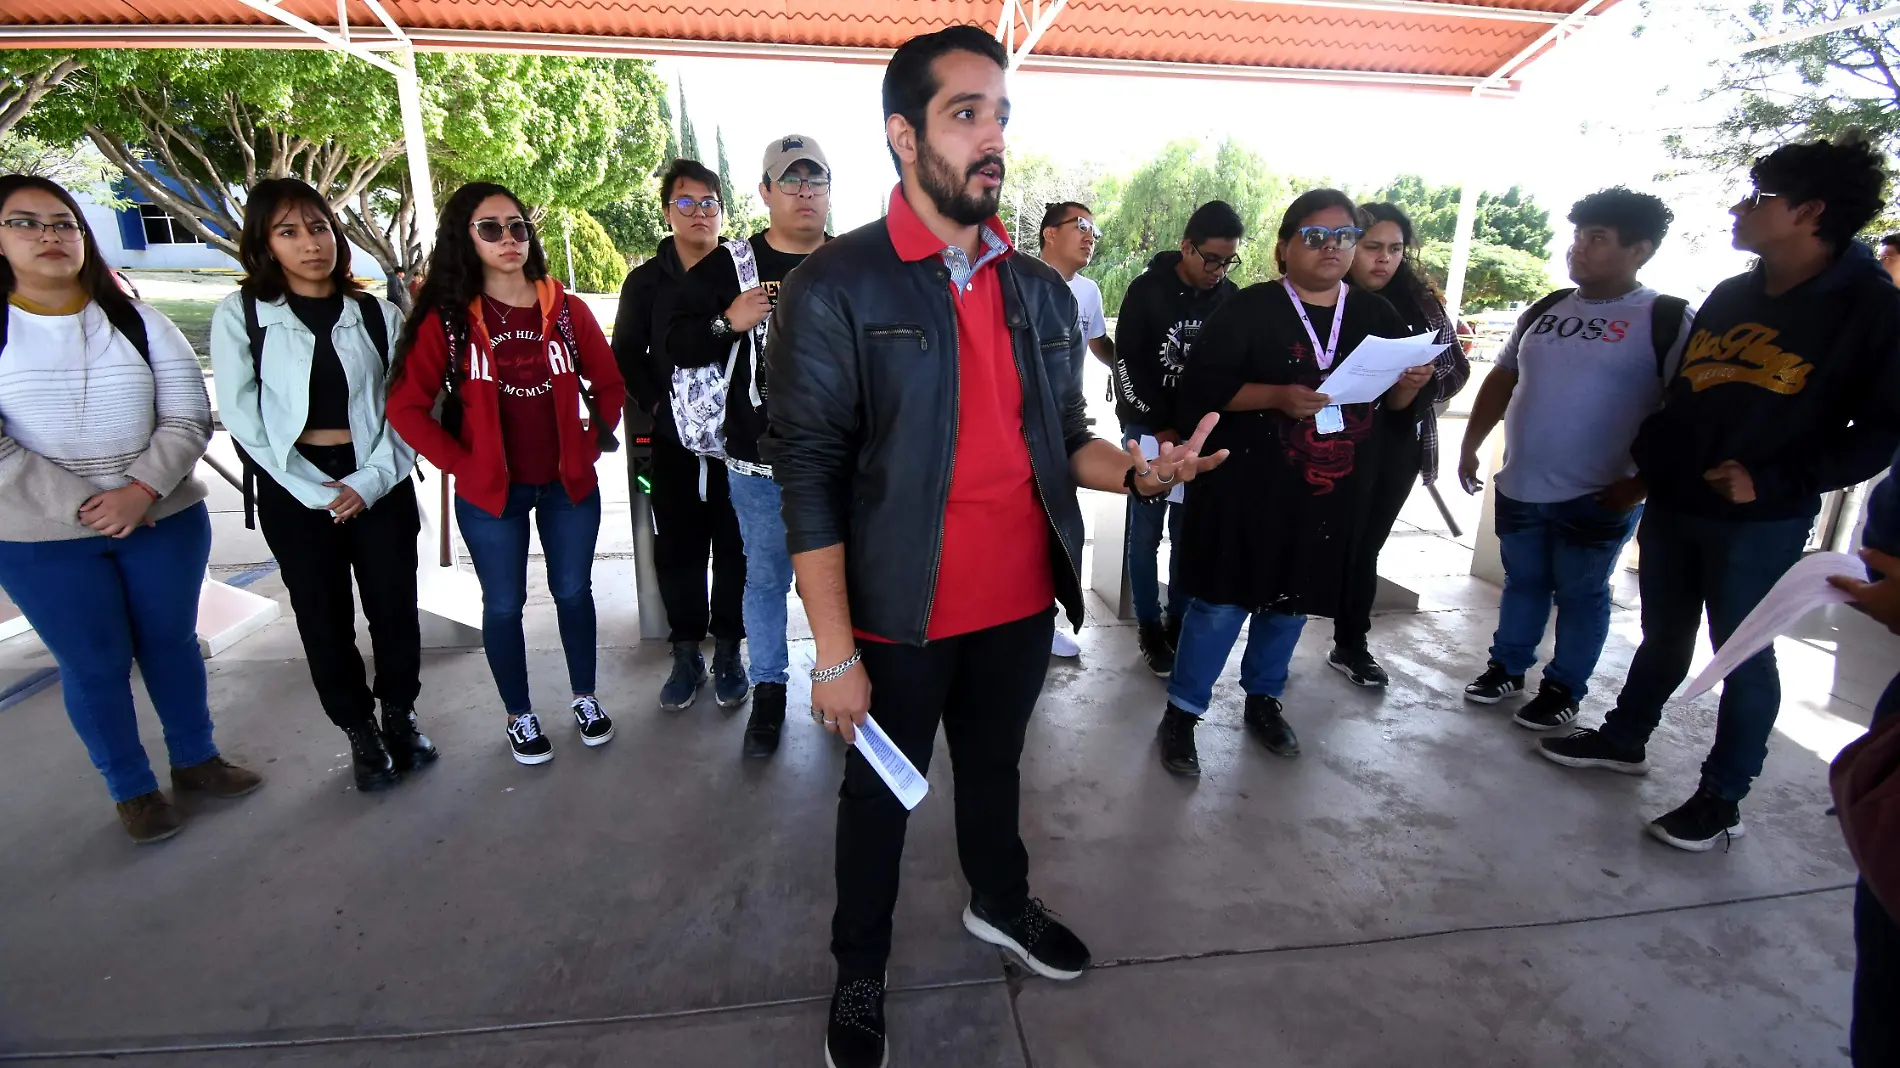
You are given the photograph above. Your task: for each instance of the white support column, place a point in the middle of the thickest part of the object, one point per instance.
(415, 145)
(1461, 246)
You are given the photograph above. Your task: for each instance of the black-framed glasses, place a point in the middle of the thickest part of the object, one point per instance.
(1318, 237)
(689, 207)
(1756, 196)
(61, 229)
(1217, 263)
(793, 185)
(492, 231)
(1083, 225)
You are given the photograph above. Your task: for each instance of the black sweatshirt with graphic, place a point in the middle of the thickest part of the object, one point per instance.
(1802, 389)
(1160, 318)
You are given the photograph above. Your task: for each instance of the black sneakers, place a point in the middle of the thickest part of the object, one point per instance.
(596, 728)
(1494, 685)
(854, 1035)
(1358, 666)
(689, 673)
(1553, 707)
(1156, 649)
(370, 761)
(525, 738)
(1033, 936)
(1590, 749)
(1265, 718)
(730, 685)
(1176, 734)
(1699, 823)
(763, 727)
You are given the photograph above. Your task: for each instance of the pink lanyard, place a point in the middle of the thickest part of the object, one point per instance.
(1324, 356)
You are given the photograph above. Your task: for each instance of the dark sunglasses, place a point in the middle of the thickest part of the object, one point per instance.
(707, 206)
(1216, 263)
(1755, 197)
(491, 231)
(1317, 237)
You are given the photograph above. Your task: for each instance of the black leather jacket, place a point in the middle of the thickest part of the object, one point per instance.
(863, 363)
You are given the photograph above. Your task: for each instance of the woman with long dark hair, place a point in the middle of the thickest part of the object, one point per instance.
(491, 374)
(300, 355)
(104, 535)
(1386, 263)
(1268, 538)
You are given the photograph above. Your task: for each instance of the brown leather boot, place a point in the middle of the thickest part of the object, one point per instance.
(217, 777)
(149, 818)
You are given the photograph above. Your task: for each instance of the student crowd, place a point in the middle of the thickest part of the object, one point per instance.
(892, 421)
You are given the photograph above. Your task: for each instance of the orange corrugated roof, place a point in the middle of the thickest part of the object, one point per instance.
(1388, 40)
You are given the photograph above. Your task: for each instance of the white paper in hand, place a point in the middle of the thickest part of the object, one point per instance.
(1802, 590)
(891, 764)
(1151, 448)
(1375, 366)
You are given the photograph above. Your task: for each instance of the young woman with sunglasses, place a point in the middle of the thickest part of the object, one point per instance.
(104, 537)
(1269, 537)
(299, 354)
(518, 358)
(1386, 263)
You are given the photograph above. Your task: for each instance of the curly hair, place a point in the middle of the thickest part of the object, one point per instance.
(1847, 175)
(1634, 216)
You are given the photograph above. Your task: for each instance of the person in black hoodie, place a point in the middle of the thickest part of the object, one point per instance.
(692, 513)
(1789, 388)
(715, 321)
(1161, 315)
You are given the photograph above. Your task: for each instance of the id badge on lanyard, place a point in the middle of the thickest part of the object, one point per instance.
(1328, 420)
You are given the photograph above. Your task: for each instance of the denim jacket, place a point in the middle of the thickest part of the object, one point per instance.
(267, 420)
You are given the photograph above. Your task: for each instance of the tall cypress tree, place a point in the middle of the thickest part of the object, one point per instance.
(689, 138)
(672, 134)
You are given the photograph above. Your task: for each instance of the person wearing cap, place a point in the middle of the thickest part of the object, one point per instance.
(713, 314)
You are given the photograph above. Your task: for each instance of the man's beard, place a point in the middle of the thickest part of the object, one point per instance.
(949, 191)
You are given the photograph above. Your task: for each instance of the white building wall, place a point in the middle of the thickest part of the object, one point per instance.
(104, 222)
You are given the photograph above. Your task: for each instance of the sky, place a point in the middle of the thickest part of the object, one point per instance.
(1592, 114)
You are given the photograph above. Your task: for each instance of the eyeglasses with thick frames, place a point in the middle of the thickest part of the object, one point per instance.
(689, 207)
(793, 185)
(1083, 225)
(492, 231)
(1216, 263)
(61, 229)
(1318, 237)
(1756, 196)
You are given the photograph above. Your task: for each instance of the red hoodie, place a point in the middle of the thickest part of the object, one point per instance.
(477, 460)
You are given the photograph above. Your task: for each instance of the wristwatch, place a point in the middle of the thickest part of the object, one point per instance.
(722, 327)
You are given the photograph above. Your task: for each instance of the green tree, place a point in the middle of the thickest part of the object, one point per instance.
(1498, 276)
(79, 167)
(689, 138)
(598, 266)
(27, 76)
(1034, 182)
(1512, 218)
(636, 226)
(672, 150)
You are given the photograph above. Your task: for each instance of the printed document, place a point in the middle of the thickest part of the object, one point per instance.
(1375, 366)
(891, 764)
(1802, 590)
(1151, 448)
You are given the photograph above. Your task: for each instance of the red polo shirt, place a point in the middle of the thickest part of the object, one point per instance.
(995, 567)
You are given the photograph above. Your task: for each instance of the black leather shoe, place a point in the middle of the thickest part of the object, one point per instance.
(1176, 734)
(408, 747)
(767, 720)
(1265, 720)
(370, 761)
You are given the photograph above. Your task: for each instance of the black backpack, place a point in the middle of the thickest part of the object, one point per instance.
(1665, 324)
(124, 318)
(373, 322)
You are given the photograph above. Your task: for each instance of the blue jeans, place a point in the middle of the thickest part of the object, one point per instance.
(1562, 552)
(1208, 633)
(1690, 561)
(1143, 550)
(499, 547)
(768, 574)
(101, 603)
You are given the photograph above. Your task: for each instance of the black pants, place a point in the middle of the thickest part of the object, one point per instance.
(982, 686)
(1876, 1033)
(1396, 462)
(316, 556)
(685, 528)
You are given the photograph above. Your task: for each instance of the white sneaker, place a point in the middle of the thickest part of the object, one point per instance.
(1064, 645)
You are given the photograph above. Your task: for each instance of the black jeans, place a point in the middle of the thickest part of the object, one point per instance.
(1397, 459)
(685, 528)
(317, 555)
(982, 686)
(1876, 1030)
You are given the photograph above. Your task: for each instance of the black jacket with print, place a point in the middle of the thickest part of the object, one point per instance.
(1802, 389)
(1160, 318)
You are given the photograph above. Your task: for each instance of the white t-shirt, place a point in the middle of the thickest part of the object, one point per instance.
(1088, 308)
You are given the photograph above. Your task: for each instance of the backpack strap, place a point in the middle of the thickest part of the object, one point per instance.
(376, 326)
(125, 318)
(564, 323)
(744, 263)
(1536, 312)
(255, 332)
(1665, 329)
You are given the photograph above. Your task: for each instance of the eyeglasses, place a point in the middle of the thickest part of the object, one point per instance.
(706, 206)
(61, 229)
(1755, 197)
(792, 185)
(1216, 263)
(1318, 237)
(491, 231)
(1084, 226)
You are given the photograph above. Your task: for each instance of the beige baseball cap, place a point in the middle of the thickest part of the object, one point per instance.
(787, 150)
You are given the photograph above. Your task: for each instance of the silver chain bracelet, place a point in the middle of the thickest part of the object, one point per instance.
(837, 671)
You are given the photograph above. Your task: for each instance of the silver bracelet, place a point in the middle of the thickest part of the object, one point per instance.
(837, 671)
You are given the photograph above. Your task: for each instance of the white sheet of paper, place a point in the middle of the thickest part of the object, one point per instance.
(891, 764)
(1802, 590)
(1151, 448)
(1375, 366)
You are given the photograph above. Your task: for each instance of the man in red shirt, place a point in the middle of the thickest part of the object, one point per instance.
(928, 436)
